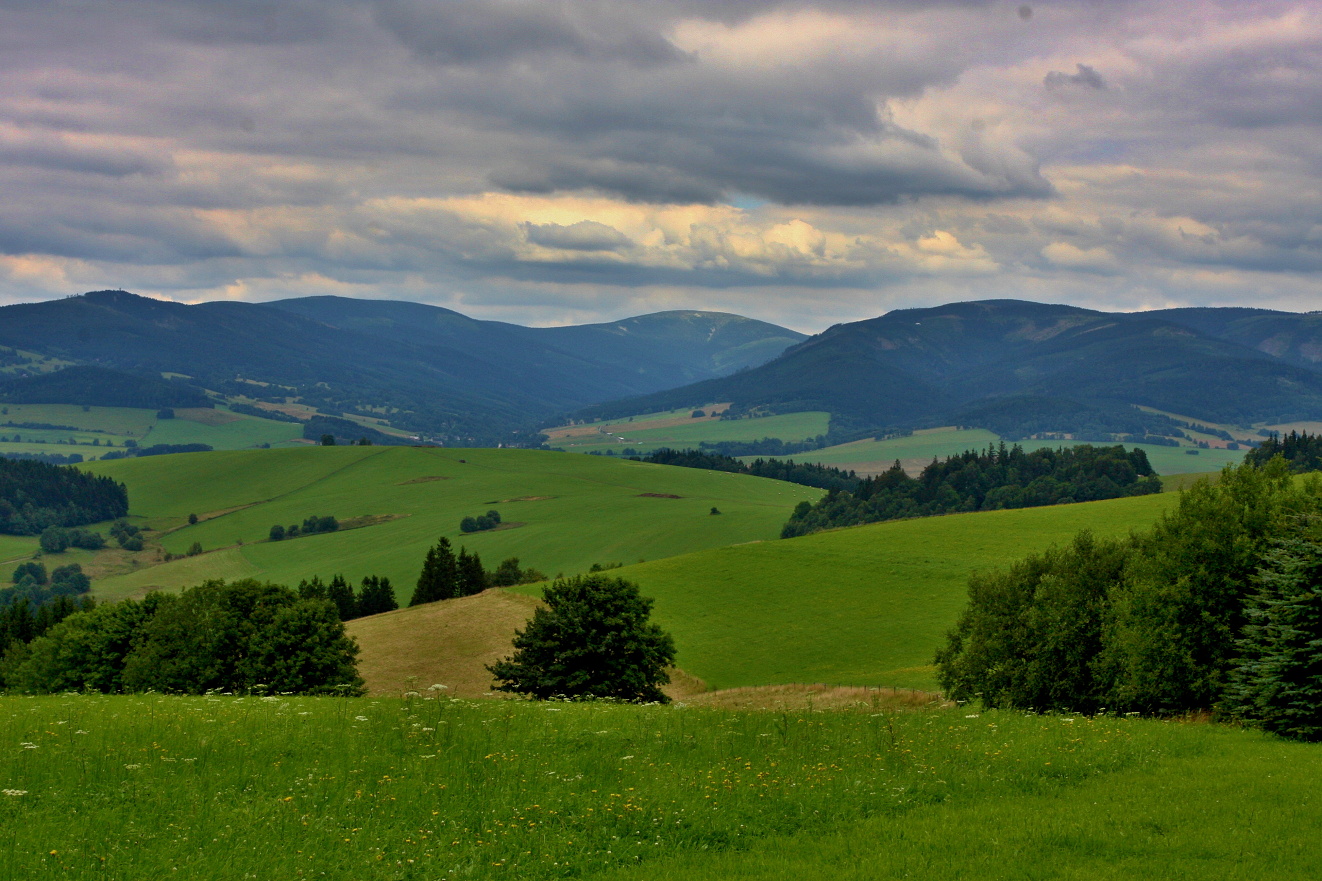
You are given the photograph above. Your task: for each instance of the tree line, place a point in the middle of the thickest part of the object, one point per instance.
(35, 495)
(983, 480)
(1300, 451)
(1217, 607)
(804, 474)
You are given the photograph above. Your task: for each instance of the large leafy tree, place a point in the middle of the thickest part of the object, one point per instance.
(593, 639)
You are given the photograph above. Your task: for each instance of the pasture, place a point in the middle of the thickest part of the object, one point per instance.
(562, 513)
(225, 787)
(867, 605)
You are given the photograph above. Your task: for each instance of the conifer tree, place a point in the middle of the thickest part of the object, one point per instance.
(472, 577)
(439, 579)
(341, 596)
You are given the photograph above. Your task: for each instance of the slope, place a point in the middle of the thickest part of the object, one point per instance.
(861, 606)
(563, 513)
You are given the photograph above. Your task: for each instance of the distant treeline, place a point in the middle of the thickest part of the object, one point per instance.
(100, 387)
(157, 450)
(767, 446)
(250, 410)
(998, 477)
(48, 458)
(1217, 608)
(374, 596)
(34, 587)
(804, 474)
(1300, 450)
(346, 431)
(35, 495)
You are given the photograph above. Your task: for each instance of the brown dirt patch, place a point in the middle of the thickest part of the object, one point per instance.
(206, 416)
(524, 499)
(659, 496)
(505, 525)
(368, 520)
(447, 643)
(802, 698)
(427, 479)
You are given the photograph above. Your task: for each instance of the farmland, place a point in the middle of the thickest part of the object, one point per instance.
(93, 431)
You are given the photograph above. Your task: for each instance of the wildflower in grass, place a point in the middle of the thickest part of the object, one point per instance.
(27, 745)
(14, 792)
(360, 718)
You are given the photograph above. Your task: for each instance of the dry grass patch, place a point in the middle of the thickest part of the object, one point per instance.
(447, 643)
(425, 479)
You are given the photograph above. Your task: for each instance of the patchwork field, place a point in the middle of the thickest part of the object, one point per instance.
(109, 427)
(679, 428)
(562, 513)
(248, 787)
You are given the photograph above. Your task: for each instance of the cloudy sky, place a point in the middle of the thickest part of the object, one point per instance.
(550, 162)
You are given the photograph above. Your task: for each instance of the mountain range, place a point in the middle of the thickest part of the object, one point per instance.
(430, 369)
(1018, 367)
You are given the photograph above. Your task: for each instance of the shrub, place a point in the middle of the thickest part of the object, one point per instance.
(593, 639)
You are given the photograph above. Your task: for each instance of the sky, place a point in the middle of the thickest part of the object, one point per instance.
(550, 162)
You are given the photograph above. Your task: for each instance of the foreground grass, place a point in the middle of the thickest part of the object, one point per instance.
(228, 787)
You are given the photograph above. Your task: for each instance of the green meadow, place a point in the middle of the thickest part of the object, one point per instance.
(562, 513)
(222, 787)
(867, 605)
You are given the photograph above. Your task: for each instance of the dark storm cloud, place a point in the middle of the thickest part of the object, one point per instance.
(1084, 76)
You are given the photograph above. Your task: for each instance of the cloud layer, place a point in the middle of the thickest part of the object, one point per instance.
(549, 161)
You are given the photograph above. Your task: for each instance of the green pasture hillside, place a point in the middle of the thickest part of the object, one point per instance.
(109, 427)
(562, 512)
(862, 606)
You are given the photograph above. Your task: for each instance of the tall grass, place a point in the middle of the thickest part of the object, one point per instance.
(252, 787)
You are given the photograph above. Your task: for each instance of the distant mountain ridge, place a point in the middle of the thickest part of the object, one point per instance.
(1025, 364)
(454, 378)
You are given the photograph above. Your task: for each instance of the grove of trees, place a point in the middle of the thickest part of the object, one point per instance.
(35, 495)
(240, 636)
(991, 479)
(1217, 607)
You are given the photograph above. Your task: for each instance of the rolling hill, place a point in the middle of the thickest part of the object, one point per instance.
(866, 606)
(562, 512)
(1016, 368)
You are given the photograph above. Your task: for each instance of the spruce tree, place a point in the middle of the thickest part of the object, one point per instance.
(439, 579)
(376, 596)
(341, 596)
(472, 577)
(1277, 681)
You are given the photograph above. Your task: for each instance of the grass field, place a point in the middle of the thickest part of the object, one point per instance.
(234, 787)
(861, 606)
(114, 425)
(680, 429)
(917, 450)
(571, 511)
